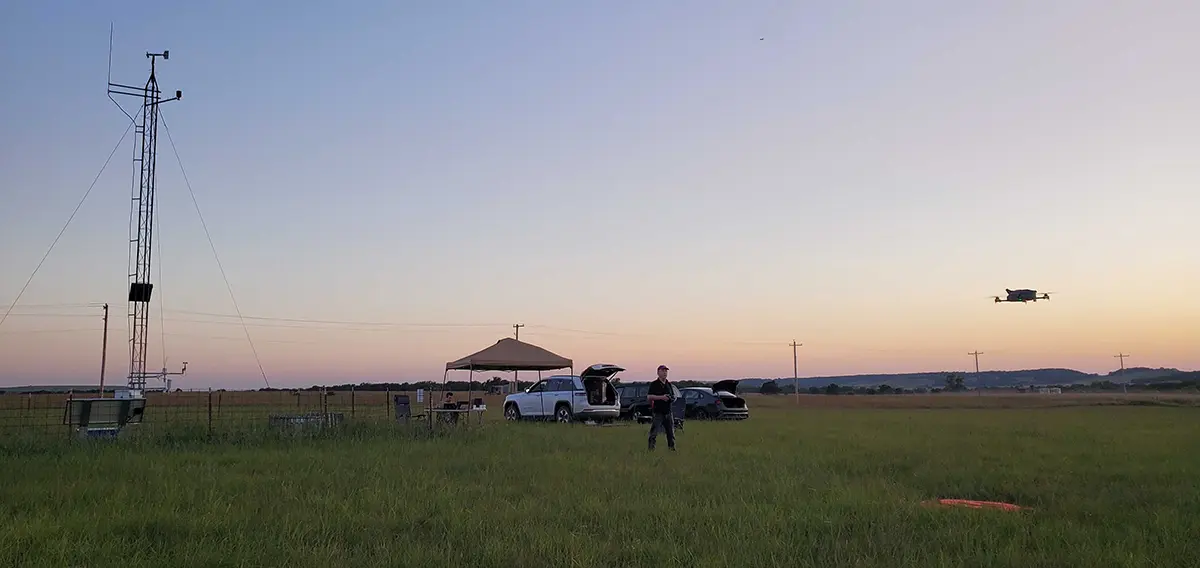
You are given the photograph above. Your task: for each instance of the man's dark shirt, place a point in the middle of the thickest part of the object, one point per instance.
(658, 387)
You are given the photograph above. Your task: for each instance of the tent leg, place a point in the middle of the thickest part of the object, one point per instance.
(429, 406)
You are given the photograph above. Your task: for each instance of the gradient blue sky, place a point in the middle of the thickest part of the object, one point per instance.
(862, 180)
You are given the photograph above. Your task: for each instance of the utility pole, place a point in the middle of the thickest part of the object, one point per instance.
(796, 371)
(976, 354)
(1124, 385)
(516, 335)
(104, 351)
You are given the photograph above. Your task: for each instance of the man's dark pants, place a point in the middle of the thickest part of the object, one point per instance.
(662, 421)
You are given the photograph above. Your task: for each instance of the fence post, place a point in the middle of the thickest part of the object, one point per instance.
(351, 401)
(70, 398)
(210, 412)
(387, 401)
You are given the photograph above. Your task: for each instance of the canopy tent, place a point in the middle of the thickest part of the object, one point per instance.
(508, 354)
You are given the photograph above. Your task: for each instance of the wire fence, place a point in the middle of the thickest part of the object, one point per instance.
(220, 411)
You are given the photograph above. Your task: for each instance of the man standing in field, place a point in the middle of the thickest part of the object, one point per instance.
(660, 397)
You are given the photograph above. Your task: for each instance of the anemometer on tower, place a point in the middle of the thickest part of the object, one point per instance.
(141, 232)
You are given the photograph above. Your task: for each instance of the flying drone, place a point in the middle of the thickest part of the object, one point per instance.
(1022, 296)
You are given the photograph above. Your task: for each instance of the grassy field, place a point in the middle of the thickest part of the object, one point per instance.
(833, 483)
(236, 410)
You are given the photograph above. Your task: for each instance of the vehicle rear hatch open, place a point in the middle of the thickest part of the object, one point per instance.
(595, 379)
(727, 386)
(726, 392)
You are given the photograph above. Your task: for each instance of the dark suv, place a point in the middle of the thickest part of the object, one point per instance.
(718, 402)
(634, 404)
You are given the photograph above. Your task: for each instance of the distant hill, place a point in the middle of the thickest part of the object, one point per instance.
(1141, 374)
(993, 379)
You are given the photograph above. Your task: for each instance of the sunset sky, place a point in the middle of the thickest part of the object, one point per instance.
(637, 182)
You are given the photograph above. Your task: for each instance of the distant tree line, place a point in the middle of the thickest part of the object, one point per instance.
(954, 382)
(449, 385)
(773, 388)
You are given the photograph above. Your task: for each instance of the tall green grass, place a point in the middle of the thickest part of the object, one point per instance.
(1107, 487)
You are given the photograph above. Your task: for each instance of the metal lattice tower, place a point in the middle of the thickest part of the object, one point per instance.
(141, 229)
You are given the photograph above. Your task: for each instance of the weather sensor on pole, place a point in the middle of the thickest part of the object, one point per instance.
(141, 234)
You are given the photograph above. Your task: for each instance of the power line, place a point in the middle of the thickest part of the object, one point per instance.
(169, 334)
(288, 323)
(639, 335)
(62, 330)
(398, 327)
(330, 325)
(67, 224)
(305, 323)
(339, 322)
(50, 315)
(211, 245)
(587, 332)
(232, 338)
(63, 306)
(316, 327)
